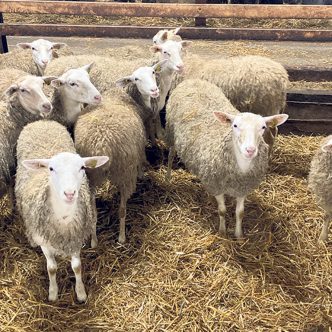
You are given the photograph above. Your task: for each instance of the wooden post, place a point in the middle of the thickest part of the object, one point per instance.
(200, 21)
(3, 44)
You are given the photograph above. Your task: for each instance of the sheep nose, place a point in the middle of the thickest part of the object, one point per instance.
(70, 195)
(47, 107)
(180, 67)
(45, 62)
(251, 150)
(97, 98)
(155, 90)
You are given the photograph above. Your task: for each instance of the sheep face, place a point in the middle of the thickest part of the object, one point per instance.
(248, 130)
(30, 95)
(161, 36)
(77, 87)
(145, 79)
(42, 51)
(171, 50)
(66, 172)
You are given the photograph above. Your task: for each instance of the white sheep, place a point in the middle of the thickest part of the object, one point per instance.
(73, 89)
(116, 130)
(161, 36)
(25, 102)
(320, 182)
(33, 57)
(53, 197)
(229, 156)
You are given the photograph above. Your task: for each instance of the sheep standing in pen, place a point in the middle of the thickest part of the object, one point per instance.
(221, 146)
(33, 57)
(161, 36)
(252, 83)
(73, 89)
(320, 182)
(25, 102)
(116, 130)
(53, 196)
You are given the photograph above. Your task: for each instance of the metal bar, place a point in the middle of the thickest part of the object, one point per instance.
(311, 74)
(3, 44)
(165, 10)
(61, 30)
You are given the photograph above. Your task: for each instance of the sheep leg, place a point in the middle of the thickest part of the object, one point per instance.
(159, 129)
(151, 131)
(222, 211)
(94, 239)
(51, 269)
(77, 268)
(122, 217)
(239, 217)
(171, 155)
(325, 230)
(11, 198)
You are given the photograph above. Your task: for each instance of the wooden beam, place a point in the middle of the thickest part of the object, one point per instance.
(310, 96)
(62, 30)
(306, 127)
(309, 73)
(165, 10)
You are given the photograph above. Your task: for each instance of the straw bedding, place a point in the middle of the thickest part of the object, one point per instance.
(176, 273)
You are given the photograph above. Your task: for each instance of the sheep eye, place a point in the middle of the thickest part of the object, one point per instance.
(153, 72)
(165, 52)
(136, 79)
(235, 125)
(264, 127)
(51, 169)
(23, 90)
(33, 49)
(83, 168)
(72, 84)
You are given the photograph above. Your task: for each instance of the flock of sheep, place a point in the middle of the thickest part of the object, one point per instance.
(60, 120)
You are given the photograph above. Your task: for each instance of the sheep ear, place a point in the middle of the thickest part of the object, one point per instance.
(48, 79)
(94, 162)
(224, 117)
(186, 43)
(159, 66)
(34, 164)
(57, 83)
(275, 120)
(155, 48)
(11, 90)
(25, 46)
(57, 46)
(327, 147)
(163, 37)
(122, 82)
(88, 67)
(176, 30)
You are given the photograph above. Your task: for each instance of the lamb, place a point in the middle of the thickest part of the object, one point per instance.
(53, 197)
(73, 89)
(33, 57)
(25, 102)
(320, 182)
(161, 36)
(252, 83)
(229, 156)
(114, 129)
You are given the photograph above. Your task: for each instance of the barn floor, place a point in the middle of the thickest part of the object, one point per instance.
(176, 273)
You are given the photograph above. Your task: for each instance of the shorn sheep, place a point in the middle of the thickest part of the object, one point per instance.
(25, 102)
(161, 36)
(320, 182)
(33, 57)
(53, 196)
(221, 146)
(252, 83)
(116, 130)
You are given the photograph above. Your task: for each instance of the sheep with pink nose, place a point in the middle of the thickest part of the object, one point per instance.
(221, 146)
(53, 197)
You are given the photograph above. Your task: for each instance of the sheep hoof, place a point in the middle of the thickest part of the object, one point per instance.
(122, 239)
(239, 235)
(222, 231)
(323, 238)
(53, 295)
(94, 243)
(81, 294)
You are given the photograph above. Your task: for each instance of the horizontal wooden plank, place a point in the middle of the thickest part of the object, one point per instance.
(313, 96)
(165, 10)
(64, 30)
(301, 127)
(297, 110)
(309, 73)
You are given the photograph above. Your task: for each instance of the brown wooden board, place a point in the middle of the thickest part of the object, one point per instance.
(165, 10)
(308, 95)
(306, 127)
(309, 73)
(64, 30)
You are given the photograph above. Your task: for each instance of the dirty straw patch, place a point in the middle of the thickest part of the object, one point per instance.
(176, 273)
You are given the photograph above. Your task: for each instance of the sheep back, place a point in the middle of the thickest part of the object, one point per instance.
(19, 59)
